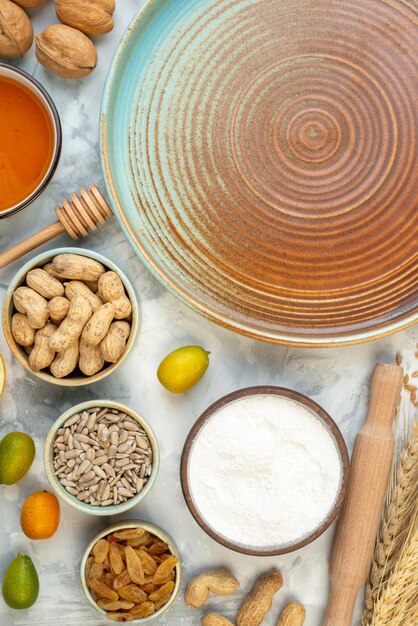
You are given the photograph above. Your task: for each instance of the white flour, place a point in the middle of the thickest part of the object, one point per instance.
(264, 471)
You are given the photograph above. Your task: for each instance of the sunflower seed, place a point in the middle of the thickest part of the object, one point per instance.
(71, 454)
(102, 456)
(72, 420)
(123, 436)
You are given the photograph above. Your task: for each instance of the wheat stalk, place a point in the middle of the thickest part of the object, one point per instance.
(398, 601)
(399, 511)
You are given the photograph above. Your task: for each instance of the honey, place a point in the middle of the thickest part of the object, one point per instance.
(26, 142)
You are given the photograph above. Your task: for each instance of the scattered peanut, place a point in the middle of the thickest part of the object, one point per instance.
(22, 331)
(66, 361)
(90, 361)
(98, 325)
(113, 345)
(220, 582)
(42, 355)
(293, 614)
(214, 619)
(258, 603)
(71, 328)
(28, 301)
(58, 309)
(77, 267)
(45, 284)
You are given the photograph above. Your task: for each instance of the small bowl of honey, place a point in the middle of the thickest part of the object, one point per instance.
(30, 139)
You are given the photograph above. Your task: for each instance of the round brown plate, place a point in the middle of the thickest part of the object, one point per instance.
(261, 156)
(313, 408)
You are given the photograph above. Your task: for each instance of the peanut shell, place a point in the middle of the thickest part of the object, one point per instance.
(293, 614)
(72, 326)
(45, 284)
(22, 331)
(66, 361)
(214, 619)
(90, 361)
(42, 355)
(98, 325)
(58, 309)
(35, 306)
(77, 288)
(258, 603)
(220, 582)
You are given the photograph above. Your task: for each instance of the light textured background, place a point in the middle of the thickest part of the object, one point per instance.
(335, 378)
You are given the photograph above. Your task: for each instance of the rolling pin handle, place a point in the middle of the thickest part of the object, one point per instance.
(340, 607)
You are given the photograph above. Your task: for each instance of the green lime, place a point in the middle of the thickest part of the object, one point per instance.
(183, 368)
(17, 452)
(20, 583)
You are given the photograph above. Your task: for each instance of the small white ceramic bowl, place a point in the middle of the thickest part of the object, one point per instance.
(8, 311)
(152, 528)
(18, 75)
(61, 491)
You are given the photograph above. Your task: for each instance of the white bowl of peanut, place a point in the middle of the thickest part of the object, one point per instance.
(131, 572)
(70, 316)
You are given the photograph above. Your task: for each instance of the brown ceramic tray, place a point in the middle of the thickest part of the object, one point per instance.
(314, 408)
(261, 157)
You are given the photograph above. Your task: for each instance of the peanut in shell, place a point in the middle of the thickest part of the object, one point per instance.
(293, 614)
(258, 602)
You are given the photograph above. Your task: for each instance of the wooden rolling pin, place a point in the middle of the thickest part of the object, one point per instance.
(76, 216)
(369, 475)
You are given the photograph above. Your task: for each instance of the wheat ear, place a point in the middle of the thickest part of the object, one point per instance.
(395, 524)
(398, 600)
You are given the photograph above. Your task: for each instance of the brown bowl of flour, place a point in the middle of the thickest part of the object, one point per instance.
(264, 471)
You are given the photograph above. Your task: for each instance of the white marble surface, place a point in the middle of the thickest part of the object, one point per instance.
(336, 378)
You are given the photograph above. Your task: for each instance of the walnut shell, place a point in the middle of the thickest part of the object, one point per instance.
(65, 51)
(92, 17)
(16, 34)
(30, 4)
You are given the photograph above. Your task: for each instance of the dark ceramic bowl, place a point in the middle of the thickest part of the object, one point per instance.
(313, 408)
(36, 88)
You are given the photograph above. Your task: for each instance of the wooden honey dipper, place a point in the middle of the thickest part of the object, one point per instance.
(83, 212)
